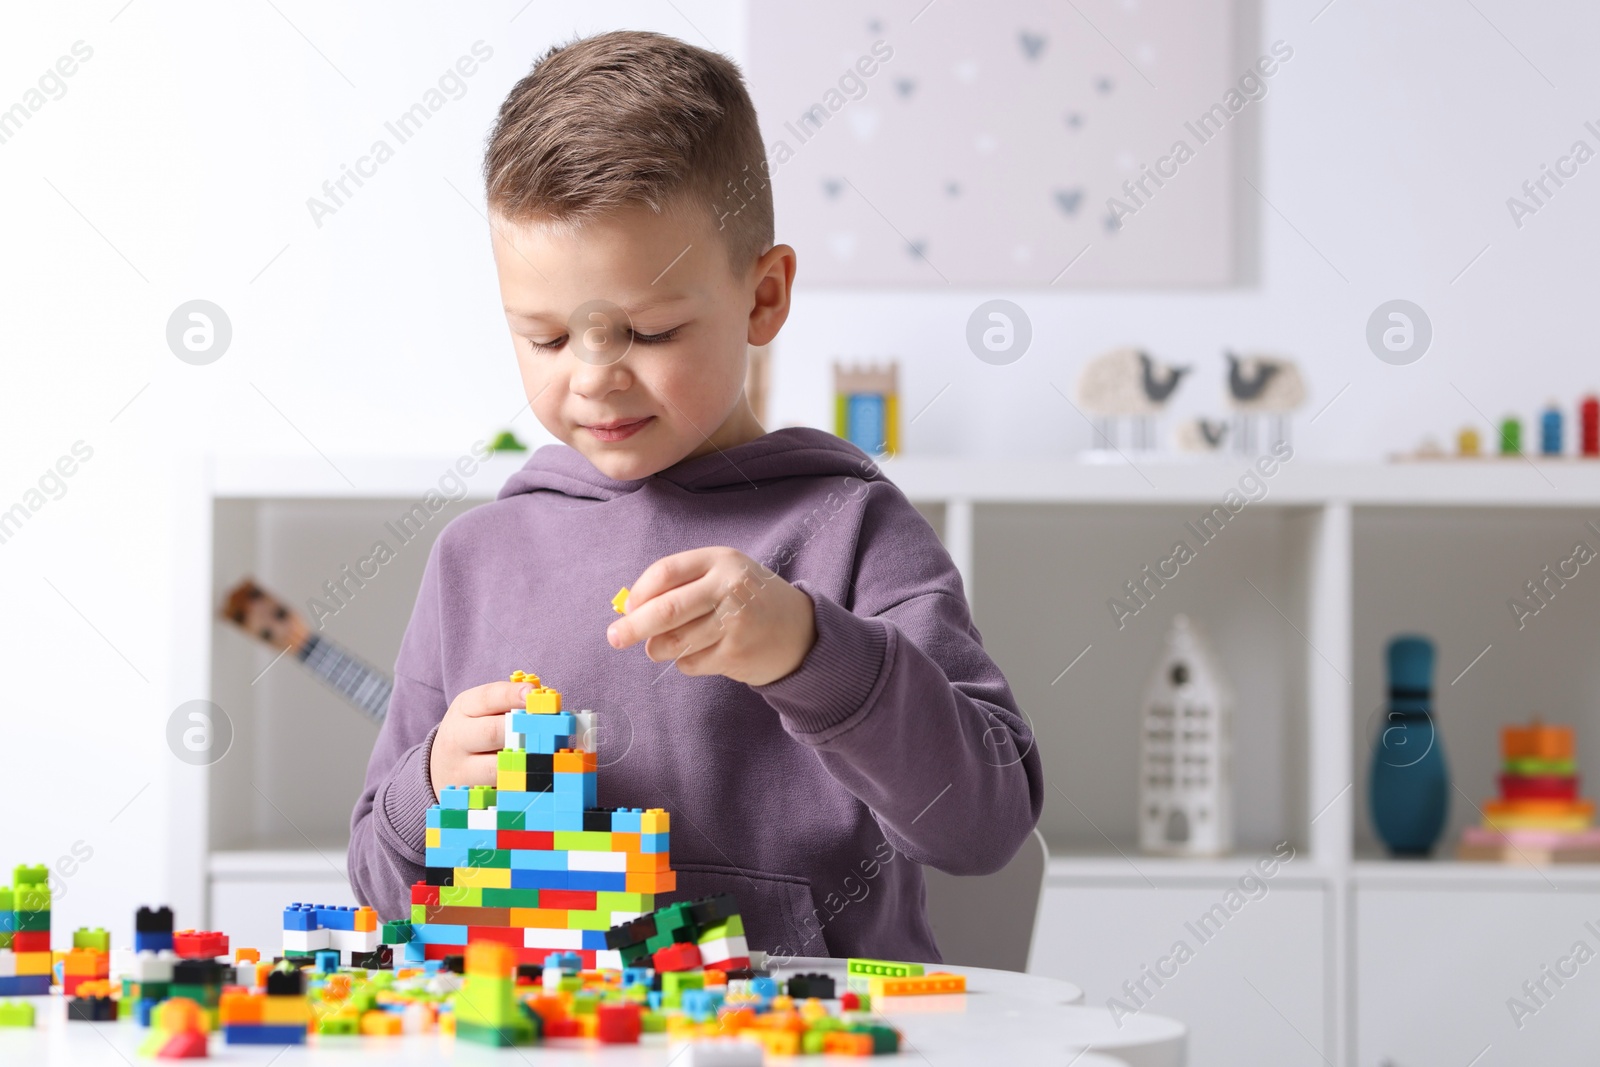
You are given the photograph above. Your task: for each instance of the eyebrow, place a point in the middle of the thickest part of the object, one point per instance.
(637, 309)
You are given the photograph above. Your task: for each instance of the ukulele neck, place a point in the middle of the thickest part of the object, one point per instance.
(360, 684)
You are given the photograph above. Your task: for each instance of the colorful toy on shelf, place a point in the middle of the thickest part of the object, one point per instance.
(25, 960)
(1263, 386)
(1511, 436)
(1186, 771)
(1409, 788)
(866, 407)
(1509, 442)
(1538, 818)
(1126, 385)
(1550, 431)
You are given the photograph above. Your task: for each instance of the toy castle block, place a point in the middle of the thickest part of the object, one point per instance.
(534, 863)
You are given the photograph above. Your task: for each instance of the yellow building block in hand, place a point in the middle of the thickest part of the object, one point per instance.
(619, 602)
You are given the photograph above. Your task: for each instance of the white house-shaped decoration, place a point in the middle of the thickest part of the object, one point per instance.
(1186, 760)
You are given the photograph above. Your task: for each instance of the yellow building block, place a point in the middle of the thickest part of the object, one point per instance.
(525, 676)
(285, 1010)
(483, 877)
(619, 603)
(655, 821)
(33, 963)
(431, 836)
(542, 701)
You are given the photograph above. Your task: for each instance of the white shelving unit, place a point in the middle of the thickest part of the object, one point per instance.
(1299, 592)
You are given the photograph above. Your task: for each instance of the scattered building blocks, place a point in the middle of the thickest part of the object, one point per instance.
(179, 1030)
(278, 1015)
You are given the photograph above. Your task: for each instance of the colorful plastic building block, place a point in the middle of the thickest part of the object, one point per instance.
(486, 1009)
(931, 983)
(16, 1013)
(884, 968)
(619, 603)
(152, 929)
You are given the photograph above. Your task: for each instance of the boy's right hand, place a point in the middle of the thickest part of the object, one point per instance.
(472, 733)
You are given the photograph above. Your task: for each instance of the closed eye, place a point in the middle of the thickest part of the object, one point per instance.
(642, 338)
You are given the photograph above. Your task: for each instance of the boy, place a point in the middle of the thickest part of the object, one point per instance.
(813, 706)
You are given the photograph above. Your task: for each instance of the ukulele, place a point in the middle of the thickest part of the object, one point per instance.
(262, 616)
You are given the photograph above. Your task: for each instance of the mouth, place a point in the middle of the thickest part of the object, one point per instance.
(618, 429)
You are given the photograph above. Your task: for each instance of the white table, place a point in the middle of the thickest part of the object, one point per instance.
(1004, 1019)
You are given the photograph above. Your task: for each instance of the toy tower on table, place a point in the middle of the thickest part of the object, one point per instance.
(1538, 818)
(534, 862)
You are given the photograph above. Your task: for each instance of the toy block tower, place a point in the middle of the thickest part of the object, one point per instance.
(533, 862)
(1538, 818)
(25, 961)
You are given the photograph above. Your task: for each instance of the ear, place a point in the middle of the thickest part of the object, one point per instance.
(772, 280)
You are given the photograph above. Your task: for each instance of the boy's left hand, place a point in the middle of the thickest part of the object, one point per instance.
(717, 611)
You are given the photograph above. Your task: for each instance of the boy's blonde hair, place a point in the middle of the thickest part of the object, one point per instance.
(633, 118)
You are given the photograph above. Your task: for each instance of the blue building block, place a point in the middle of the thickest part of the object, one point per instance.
(700, 1004)
(264, 1035)
(445, 857)
(529, 859)
(454, 796)
(326, 960)
(25, 985)
(527, 803)
(637, 976)
(153, 942)
(599, 881)
(525, 879)
(627, 820)
(338, 917)
(414, 950)
(569, 962)
(453, 837)
(653, 842)
(296, 916)
(765, 988)
(438, 934)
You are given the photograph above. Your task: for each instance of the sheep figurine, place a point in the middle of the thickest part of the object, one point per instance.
(1126, 383)
(1262, 386)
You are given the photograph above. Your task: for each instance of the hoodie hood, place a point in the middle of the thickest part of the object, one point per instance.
(792, 452)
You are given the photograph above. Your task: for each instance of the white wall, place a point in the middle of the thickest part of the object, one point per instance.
(177, 166)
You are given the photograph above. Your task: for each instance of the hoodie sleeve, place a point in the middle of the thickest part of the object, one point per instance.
(387, 827)
(905, 708)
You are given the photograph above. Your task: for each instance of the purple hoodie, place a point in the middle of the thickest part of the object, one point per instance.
(813, 799)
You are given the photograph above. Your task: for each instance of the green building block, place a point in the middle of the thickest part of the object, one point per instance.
(495, 1036)
(396, 932)
(83, 937)
(36, 875)
(654, 1022)
(510, 898)
(585, 1003)
(883, 968)
(511, 759)
(16, 1013)
(30, 898)
(7, 899)
(510, 820)
(339, 1024)
(582, 841)
(32, 921)
(461, 896)
(453, 818)
(481, 797)
(673, 983)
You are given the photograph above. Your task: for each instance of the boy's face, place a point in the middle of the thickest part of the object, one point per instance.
(631, 333)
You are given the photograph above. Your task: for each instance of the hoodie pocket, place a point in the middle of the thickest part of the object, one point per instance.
(779, 915)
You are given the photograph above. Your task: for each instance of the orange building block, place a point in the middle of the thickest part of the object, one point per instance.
(652, 881)
(573, 761)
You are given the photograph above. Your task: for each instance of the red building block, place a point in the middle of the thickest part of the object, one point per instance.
(683, 956)
(617, 1024)
(568, 899)
(31, 941)
(423, 893)
(199, 944)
